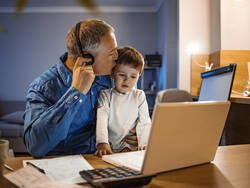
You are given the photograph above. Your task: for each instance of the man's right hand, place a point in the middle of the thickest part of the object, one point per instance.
(103, 149)
(83, 76)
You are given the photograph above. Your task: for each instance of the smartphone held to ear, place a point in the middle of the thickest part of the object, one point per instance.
(89, 56)
(81, 49)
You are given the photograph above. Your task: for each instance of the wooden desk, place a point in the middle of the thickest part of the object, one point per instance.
(237, 127)
(230, 169)
(235, 98)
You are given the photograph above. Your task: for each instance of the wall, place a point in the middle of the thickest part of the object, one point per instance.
(215, 26)
(34, 41)
(194, 35)
(235, 27)
(168, 44)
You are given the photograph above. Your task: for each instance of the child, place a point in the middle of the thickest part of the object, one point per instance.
(122, 108)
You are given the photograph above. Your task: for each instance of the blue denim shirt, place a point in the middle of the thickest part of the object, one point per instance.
(60, 120)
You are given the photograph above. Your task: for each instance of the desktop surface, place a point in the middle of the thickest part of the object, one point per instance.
(240, 99)
(231, 168)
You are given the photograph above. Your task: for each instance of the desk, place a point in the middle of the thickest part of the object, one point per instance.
(237, 126)
(235, 98)
(230, 169)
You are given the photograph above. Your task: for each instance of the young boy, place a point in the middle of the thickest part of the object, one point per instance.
(122, 108)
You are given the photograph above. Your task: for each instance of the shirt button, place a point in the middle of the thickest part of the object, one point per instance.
(75, 97)
(80, 100)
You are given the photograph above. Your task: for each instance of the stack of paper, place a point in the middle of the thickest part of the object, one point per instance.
(29, 177)
(63, 169)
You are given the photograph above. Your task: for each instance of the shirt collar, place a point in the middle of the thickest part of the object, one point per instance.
(63, 71)
(66, 74)
(119, 93)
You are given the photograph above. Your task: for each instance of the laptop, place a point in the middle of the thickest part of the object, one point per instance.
(182, 135)
(216, 85)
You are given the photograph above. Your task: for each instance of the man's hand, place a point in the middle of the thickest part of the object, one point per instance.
(83, 76)
(103, 149)
(132, 139)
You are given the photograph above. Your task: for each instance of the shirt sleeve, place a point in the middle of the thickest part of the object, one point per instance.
(46, 125)
(143, 126)
(102, 117)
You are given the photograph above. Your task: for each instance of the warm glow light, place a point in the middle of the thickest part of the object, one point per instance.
(193, 48)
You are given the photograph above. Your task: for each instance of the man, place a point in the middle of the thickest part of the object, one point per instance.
(61, 104)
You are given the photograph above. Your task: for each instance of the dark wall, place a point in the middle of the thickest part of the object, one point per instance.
(34, 41)
(168, 44)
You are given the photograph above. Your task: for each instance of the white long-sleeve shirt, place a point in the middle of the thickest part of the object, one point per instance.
(118, 113)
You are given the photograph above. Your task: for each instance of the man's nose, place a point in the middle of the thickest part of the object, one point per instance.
(115, 55)
(113, 63)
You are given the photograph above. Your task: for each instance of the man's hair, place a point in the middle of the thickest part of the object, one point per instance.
(130, 56)
(90, 34)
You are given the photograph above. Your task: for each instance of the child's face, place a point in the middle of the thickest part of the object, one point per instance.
(125, 78)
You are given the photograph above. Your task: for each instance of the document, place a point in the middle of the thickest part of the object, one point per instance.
(63, 169)
(133, 160)
(29, 177)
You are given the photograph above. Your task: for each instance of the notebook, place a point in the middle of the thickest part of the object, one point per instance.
(182, 135)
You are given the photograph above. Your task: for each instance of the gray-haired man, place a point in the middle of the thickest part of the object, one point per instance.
(60, 114)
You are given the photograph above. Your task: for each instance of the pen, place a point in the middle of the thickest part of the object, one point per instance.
(39, 169)
(8, 167)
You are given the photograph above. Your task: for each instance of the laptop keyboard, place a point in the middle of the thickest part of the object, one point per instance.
(115, 176)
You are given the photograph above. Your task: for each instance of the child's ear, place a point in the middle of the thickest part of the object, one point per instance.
(112, 74)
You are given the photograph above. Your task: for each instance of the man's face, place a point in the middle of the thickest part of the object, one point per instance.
(105, 55)
(125, 78)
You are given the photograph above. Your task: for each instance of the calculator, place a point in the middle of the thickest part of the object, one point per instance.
(119, 176)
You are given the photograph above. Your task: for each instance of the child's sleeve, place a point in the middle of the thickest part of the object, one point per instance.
(144, 122)
(102, 117)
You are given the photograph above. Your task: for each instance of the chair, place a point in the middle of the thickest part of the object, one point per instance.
(173, 95)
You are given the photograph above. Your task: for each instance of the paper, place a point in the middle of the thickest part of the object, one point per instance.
(133, 160)
(63, 169)
(29, 177)
(57, 185)
(24, 177)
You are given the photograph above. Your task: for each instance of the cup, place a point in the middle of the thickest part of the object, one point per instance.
(4, 148)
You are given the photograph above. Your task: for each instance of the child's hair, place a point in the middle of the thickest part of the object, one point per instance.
(128, 55)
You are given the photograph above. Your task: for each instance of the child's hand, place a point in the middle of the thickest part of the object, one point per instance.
(141, 147)
(103, 149)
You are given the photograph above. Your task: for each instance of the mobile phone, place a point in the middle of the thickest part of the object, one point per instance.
(91, 62)
(85, 55)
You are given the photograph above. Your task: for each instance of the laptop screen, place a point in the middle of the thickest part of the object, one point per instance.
(217, 84)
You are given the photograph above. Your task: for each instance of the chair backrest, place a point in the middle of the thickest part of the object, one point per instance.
(173, 95)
